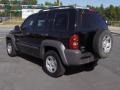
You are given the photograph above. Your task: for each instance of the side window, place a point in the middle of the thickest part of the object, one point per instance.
(41, 22)
(28, 23)
(61, 21)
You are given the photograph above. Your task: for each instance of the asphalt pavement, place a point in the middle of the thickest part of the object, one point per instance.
(25, 73)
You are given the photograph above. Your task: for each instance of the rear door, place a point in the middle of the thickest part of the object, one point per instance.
(40, 31)
(59, 27)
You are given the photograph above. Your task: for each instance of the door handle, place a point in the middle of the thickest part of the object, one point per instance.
(27, 33)
(44, 34)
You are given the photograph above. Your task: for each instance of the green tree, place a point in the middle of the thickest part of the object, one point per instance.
(49, 4)
(32, 2)
(117, 9)
(4, 1)
(7, 7)
(58, 3)
(111, 13)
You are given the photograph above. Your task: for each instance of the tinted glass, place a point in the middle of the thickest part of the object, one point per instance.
(93, 20)
(41, 23)
(28, 23)
(61, 21)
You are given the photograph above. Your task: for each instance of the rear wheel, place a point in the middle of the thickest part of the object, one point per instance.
(102, 43)
(52, 64)
(10, 49)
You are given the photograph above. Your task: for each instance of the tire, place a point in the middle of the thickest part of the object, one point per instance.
(103, 43)
(57, 67)
(10, 49)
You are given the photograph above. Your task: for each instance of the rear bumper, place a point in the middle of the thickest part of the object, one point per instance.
(75, 57)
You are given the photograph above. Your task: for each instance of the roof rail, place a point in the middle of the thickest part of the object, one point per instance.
(57, 7)
(63, 7)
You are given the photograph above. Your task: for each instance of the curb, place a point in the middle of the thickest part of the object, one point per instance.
(115, 33)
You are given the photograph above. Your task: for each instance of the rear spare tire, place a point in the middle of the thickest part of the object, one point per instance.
(103, 43)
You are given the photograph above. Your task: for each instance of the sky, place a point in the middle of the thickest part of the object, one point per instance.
(106, 3)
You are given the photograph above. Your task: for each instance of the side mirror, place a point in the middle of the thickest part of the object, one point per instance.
(17, 29)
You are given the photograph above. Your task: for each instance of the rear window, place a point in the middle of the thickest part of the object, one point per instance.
(93, 20)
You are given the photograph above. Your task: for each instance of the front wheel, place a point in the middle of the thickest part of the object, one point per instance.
(10, 49)
(52, 64)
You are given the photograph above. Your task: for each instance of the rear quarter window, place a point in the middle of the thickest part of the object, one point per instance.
(61, 22)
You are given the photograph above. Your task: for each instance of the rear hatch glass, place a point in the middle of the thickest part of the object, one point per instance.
(93, 21)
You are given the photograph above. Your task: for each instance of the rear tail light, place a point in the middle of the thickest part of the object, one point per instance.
(74, 42)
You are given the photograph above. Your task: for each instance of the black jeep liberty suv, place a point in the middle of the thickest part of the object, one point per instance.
(62, 36)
